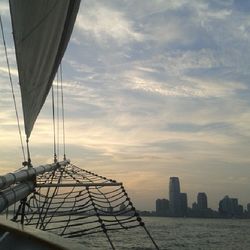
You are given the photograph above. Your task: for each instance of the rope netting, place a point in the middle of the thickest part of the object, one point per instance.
(73, 202)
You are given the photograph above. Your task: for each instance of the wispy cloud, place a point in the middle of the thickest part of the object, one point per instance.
(106, 23)
(5, 71)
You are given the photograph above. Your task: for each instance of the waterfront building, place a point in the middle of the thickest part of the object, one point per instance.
(248, 208)
(240, 210)
(162, 207)
(183, 204)
(174, 196)
(202, 201)
(225, 206)
(194, 206)
(229, 207)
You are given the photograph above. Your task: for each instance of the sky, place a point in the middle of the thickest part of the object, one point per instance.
(152, 89)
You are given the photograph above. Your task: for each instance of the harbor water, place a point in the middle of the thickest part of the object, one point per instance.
(178, 233)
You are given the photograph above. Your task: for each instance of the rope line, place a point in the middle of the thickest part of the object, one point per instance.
(12, 90)
(54, 125)
(57, 113)
(28, 153)
(62, 99)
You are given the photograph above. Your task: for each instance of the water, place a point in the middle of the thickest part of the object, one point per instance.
(187, 233)
(178, 233)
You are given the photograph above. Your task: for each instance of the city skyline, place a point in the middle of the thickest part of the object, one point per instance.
(153, 89)
(177, 205)
(201, 200)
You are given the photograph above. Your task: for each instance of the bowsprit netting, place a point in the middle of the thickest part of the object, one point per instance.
(73, 202)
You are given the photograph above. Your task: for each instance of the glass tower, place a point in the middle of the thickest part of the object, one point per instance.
(174, 196)
(202, 201)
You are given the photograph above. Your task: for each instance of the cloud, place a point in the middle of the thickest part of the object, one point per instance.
(106, 23)
(4, 70)
(4, 7)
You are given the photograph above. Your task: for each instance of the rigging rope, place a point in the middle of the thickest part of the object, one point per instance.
(56, 115)
(64, 152)
(57, 112)
(54, 126)
(28, 152)
(12, 89)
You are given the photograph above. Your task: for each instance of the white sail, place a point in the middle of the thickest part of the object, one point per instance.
(41, 29)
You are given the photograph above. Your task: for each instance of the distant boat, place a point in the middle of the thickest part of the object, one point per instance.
(59, 197)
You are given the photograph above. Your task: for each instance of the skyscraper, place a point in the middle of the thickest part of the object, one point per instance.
(248, 208)
(183, 204)
(229, 207)
(202, 201)
(162, 207)
(174, 196)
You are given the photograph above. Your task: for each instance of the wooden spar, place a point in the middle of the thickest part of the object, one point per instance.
(12, 195)
(28, 174)
(77, 184)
